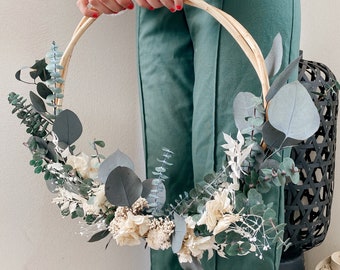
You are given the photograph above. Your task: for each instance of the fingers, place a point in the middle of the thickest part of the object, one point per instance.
(178, 4)
(103, 6)
(149, 4)
(83, 7)
(93, 8)
(172, 5)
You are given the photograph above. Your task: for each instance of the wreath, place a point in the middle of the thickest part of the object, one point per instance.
(224, 213)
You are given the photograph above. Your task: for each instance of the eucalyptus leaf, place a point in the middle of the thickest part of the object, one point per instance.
(37, 103)
(179, 233)
(263, 187)
(43, 90)
(269, 214)
(293, 112)
(270, 163)
(51, 185)
(244, 107)
(100, 143)
(67, 126)
(274, 58)
(194, 265)
(123, 187)
(291, 171)
(254, 197)
(18, 75)
(257, 209)
(233, 249)
(99, 236)
(240, 201)
(40, 70)
(276, 139)
(149, 186)
(282, 79)
(116, 159)
(51, 153)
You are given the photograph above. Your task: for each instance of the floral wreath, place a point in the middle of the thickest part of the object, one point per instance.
(224, 213)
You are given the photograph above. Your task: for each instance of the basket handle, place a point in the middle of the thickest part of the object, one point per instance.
(237, 31)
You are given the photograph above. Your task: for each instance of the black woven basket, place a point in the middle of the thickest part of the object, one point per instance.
(308, 204)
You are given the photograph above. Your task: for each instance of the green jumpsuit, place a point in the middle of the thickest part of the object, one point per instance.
(190, 70)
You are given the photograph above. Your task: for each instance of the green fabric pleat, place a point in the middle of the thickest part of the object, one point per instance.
(190, 70)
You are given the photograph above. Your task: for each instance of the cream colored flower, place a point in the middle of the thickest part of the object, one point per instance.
(216, 208)
(195, 246)
(224, 223)
(87, 167)
(159, 234)
(67, 200)
(127, 228)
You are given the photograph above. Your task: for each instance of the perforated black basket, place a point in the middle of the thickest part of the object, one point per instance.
(308, 204)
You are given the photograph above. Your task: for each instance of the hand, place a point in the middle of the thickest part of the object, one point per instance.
(172, 5)
(93, 8)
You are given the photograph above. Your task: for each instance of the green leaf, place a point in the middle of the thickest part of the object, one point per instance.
(179, 233)
(194, 265)
(123, 187)
(51, 185)
(40, 70)
(269, 214)
(276, 139)
(233, 237)
(37, 103)
(293, 112)
(118, 158)
(292, 172)
(210, 178)
(68, 127)
(18, 75)
(38, 169)
(43, 90)
(160, 196)
(254, 197)
(240, 201)
(274, 58)
(221, 238)
(282, 79)
(233, 249)
(257, 209)
(99, 236)
(244, 108)
(100, 143)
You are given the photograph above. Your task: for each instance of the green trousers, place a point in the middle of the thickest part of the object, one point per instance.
(190, 70)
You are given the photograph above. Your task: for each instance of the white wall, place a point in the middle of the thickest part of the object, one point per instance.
(102, 89)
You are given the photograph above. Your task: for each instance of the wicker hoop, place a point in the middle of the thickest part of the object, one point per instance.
(238, 32)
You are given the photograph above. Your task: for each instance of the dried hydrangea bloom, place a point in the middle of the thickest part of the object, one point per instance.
(159, 234)
(129, 228)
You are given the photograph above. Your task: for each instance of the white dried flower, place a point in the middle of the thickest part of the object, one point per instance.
(216, 208)
(127, 228)
(87, 167)
(159, 234)
(236, 156)
(195, 246)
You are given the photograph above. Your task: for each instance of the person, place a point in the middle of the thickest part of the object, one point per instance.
(190, 70)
